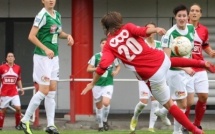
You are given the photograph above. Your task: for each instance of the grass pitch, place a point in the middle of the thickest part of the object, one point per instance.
(96, 132)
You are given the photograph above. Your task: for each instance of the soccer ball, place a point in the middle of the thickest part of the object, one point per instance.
(181, 46)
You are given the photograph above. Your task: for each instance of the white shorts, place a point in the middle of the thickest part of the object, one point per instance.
(102, 91)
(5, 101)
(45, 69)
(201, 83)
(144, 91)
(158, 84)
(179, 83)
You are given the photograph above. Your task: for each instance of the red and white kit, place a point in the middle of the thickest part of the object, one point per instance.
(9, 77)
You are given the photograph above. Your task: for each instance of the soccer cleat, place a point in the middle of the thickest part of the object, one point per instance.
(133, 124)
(106, 126)
(184, 131)
(200, 127)
(151, 130)
(163, 117)
(52, 130)
(25, 127)
(100, 129)
(18, 127)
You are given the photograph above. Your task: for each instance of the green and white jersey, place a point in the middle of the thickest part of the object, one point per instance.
(49, 29)
(106, 79)
(157, 44)
(174, 32)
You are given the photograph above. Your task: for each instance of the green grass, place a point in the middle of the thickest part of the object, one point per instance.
(96, 132)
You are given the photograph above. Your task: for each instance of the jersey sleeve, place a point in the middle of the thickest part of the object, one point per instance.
(106, 60)
(136, 30)
(166, 41)
(40, 20)
(205, 43)
(19, 74)
(92, 61)
(116, 62)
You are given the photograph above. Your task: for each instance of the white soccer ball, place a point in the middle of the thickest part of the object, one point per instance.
(181, 46)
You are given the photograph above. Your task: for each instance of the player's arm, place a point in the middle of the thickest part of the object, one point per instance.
(64, 35)
(91, 65)
(117, 67)
(91, 68)
(106, 60)
(33, 38)
(166, 44)
(209, 51)
(19, 83)
(144, 31)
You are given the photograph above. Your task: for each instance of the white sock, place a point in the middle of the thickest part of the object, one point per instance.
(177, 125)
(105, 113)
(163, 110)
(33, 105)
(50, 107)
(99, 116)
(138, 109)
(153, 117)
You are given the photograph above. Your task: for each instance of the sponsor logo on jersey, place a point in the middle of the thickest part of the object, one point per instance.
(165, 40)
(9, 80)
(53, 29)
(37, 20)
(180, 93)
(144, 93)
(197, 49)
(45, 78)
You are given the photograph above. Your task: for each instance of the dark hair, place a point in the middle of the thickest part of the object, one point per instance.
(111, 21)
(195, 4)
(103, 39)
(10, 53)
(179, 8)
(150, 23)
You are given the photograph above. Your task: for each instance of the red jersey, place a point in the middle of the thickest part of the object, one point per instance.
(9, 77)
(127, 45)
(200, 42)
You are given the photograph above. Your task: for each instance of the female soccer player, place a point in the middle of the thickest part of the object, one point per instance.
(44, 35)
(10, 74)
(179, 80)
(145, 93)
(103, 90)
(125, 42)
(201, 84)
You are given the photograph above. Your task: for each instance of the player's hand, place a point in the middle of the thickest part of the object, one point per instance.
(22, 92)
(189, 71)
(87, 88)
(114, 73)
(160, 31)
(49, 53)
(70, 40)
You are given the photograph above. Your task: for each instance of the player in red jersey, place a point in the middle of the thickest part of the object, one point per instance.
(10, 74)
(124, 41)
(201, 84)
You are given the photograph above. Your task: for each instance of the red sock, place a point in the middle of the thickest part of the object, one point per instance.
(187, 112)
(200, 111)
(17, 118)
(181, 118)
(1, 119)
(184, 62)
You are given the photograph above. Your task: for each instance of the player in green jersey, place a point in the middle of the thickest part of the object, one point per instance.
(102, 92)
(46, 30)
(178, 79)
